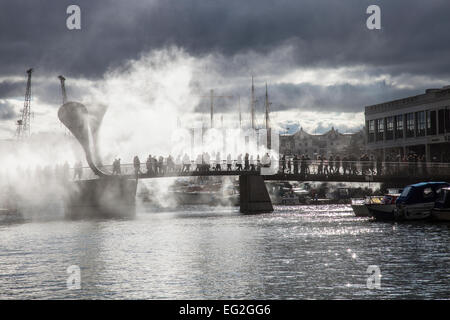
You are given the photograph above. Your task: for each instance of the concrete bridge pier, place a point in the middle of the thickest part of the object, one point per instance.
(254, 197)
(108, 197)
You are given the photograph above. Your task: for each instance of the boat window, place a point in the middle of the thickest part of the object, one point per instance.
(428, 193)
(405, 191)
(440, 195)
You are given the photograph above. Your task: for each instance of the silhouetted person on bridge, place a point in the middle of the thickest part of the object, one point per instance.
(207, 161)
(337, 166)
(229, 162)
(137, 165)
(331, 164)
(246, 163)
(154, 165)
(148, 165)
(325, 166)
(307, 164)
(302, 165)
(160, 165)
(295, 160)
(252, 163)
(116, 167)
(320, 166)
(353, 168)
(198, 162)
(283, 163)
(218, 160)
(239, 163)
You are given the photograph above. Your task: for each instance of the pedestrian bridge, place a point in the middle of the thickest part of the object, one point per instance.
(113, 194)
(401, 173)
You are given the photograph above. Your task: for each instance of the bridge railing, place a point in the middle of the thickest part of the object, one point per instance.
(306, 168)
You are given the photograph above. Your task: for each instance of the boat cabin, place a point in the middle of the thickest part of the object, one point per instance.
(423, 192)
(443, 200)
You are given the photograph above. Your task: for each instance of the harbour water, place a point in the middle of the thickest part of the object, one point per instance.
(201, 252)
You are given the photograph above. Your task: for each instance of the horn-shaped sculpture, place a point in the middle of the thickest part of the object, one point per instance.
(95, 120)
(84, 127)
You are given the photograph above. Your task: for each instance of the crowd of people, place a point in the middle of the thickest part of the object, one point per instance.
(41, 174)
(365, 164)
(204, 162)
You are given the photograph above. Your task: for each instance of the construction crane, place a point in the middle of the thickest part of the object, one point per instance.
(269, 137)
(23, 124)
(63, 88)
(212, 96)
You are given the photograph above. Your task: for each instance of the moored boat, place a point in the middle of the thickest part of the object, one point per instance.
(384, 209)
(441, 210)
(359, 207)
(417, 200)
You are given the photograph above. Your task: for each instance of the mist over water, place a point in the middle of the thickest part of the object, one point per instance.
(199, 252)
(145, 98)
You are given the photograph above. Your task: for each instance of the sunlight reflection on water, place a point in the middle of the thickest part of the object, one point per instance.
(202, 252)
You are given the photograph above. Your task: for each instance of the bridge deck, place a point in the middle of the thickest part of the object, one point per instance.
(355, 172)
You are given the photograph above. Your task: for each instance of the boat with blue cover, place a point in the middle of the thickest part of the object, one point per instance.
(441, 210)
(417, 200)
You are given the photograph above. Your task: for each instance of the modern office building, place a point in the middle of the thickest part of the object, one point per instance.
(419, 124)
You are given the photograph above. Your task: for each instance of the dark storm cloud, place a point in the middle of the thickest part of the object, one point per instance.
(318, 33)
(333, 98)
(12, 89)
(413, 38)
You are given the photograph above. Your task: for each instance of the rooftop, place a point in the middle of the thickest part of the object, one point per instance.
(430, 95)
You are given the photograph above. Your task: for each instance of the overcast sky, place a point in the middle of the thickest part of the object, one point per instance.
(322, 65)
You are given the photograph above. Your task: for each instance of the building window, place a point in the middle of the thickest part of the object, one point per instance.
(441, 121)
(431, 122)
(420, 123)
(447, 119)
(444, 120)
(410, 125)
(380, 129)
(371, 130)
(399, 126)
(389, 128)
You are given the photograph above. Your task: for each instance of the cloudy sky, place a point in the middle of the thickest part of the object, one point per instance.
(157, 58)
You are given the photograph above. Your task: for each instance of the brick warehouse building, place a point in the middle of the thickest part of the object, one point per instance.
(329, 143)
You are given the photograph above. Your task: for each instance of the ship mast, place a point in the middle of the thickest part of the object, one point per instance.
(240, 114)
(252, 106)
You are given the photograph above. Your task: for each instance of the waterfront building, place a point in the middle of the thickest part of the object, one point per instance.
(329, 143)
(418, 124)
